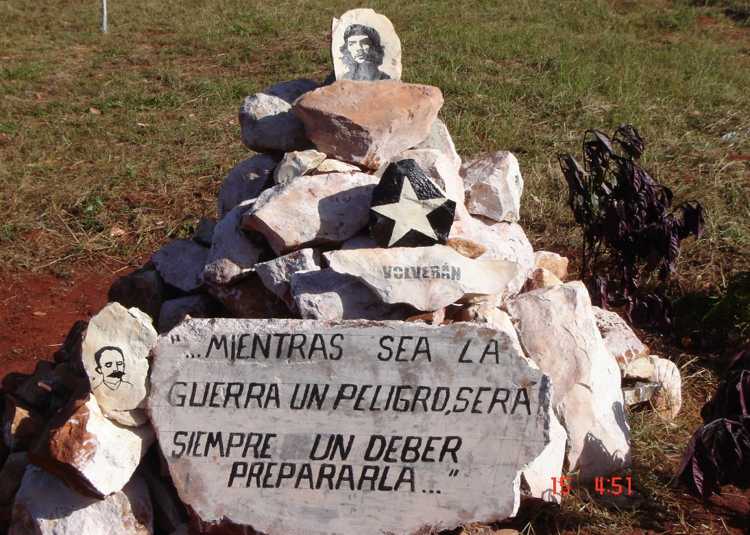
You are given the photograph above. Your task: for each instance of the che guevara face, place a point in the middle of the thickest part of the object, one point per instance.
(111, 366)
(359, 47)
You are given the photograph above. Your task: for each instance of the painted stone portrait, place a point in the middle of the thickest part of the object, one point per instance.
(365, 47)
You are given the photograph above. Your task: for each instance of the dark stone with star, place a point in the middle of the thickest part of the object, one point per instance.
(408, 209)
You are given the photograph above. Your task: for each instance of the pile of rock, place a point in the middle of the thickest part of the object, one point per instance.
(356, 206)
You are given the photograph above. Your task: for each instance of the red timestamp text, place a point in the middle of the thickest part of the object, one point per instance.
(610, 486)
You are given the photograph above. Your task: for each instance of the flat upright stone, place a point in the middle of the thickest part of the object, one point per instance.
(297, 163)
(428, 278)
(233, 255)
(92, 454)
(46, 506)
(365, 46)
(622, 343)
(494, 186)
(327, 295)
(368, 123)
(440, 168)
(312, 210)
(246, 181)
(276, 274)
(331, 165)
(143, 289)
(408, 208)
(467, 386)
(267, 121)
(558, 331)
(440, 139)
(115, 357)
(180, 263)
(174, 311)
(553, 262)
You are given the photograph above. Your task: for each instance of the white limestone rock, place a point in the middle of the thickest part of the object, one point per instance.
(297, 163)
(541, 278)
(439, 167)
(331, 165)
(427, 278)
(312, 210)
(180, 263)
(46, 506)
(440, 139)
(115, 354)
(557, 329)
(246, 181)
(267, 121)
(552, 262)
(330, 296)
(622, 343)
(277, 274)
(668, 399)
(90, 452)
(494, 186)
(233, 255)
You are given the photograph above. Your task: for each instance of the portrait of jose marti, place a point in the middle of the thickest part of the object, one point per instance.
(362, 53)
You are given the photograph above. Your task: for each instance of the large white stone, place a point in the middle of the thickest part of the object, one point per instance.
(267, 121)
(440, 139)
(312, 210)
(90, 452)
(180, 263)
(331, 296)
(619, 338)
(245, 181)
(428, 278)
(297, 163)
(494, 186)
(46, 506)
(668, 399)
(369, 53)
(469, 387)
(233, 255)
(115, 354)
(558, 331)
(276, 274)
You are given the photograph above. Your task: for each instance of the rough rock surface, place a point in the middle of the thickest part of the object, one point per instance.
(233, 254)
(175, 310)
(297, 163)
(368, 123)
(541, 278)
(553, 262)
(143, 289)
(538, 473)
(428, 278)
(312, 210)
(558, 331)
(46, 506)
(276, 274)
(494, 186)
(331, 296)
(247, 298)
(267, 121)
(331, 165)
(440, 139)
(441, 169)
(466, 247)
(204, 231)
(115, 354)
(180, 263)
(90, 452)
(668, 399)
(621, 341)
(245, 181)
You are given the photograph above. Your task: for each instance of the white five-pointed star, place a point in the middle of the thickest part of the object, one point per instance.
(409, 213)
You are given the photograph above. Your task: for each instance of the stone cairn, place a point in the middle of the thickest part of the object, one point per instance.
(355, 207)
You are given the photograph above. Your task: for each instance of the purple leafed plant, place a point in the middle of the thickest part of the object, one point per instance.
(622, 209)
(719, 452)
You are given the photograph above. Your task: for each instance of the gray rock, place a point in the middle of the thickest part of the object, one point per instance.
(267, 121)
(247, 298)
(246, 181)
(427, 278)
(360, 241)
(46, 506)
(233, 254)
(494, 186)
(466, 386)
(312, 210)
(297, 163)
(368, 123)
(142, 289)
(11, 476)
(327, 295)
(276, 274)
(175, 310)
(204, 231)
(180, 264)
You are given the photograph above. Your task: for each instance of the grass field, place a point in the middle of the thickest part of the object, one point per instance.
(110, 144)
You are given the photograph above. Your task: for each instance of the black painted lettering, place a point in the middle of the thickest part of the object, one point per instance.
(238, 470)
(217, 342)
(176, 399)
(522, 398)
(177, 441)
(387, 348)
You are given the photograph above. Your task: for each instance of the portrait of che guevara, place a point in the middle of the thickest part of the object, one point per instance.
(362, 53)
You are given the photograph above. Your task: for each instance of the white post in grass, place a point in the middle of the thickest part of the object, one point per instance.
(104, 16)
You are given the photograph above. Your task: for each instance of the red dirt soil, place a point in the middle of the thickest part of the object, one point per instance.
(38, 309)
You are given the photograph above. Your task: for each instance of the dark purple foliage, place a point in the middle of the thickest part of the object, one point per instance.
(620, 207)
